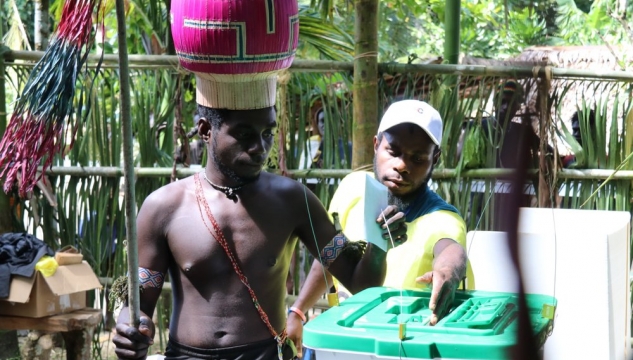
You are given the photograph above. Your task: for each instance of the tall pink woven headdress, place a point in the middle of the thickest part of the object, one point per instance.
(236, 48)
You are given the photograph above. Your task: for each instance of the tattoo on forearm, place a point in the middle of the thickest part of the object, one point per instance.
(150, 278)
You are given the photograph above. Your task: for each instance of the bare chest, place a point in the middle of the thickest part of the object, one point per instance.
(203, 242)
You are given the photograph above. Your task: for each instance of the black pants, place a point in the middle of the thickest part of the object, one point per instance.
(261, 350)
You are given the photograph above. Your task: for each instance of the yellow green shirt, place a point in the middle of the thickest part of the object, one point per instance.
(412, 259)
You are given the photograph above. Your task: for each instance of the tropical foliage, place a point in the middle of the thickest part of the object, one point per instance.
(489, 29)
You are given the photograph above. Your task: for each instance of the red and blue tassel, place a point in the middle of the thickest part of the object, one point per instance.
(43, 114)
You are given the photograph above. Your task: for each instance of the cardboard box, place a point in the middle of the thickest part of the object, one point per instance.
(40, 296)
(63, 258)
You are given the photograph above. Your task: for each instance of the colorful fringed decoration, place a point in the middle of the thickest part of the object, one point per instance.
(42, 118)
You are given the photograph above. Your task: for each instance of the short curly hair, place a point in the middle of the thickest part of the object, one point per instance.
(215, 116)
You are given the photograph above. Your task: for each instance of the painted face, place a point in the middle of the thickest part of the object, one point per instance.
(241, 145)
(404, 158)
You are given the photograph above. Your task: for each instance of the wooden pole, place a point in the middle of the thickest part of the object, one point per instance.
(128, 169)
(365, 82)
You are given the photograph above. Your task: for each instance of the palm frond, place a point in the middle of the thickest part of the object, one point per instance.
(318, 38)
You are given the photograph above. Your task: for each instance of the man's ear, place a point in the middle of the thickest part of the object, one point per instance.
(436, 155)
(376, 143)
(204, 129)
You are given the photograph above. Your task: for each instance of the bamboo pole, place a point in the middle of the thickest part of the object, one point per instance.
(438, 174)
(108, 59)
(155, 172)
(365, 82)
(503, 71)
(3, 95)
(128, 169)
(8, 338)
(6, 212)
(451, 31)
(6, 215)
(171, 61)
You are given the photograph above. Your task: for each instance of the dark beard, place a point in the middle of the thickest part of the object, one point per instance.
(403, 202)
(226, 171)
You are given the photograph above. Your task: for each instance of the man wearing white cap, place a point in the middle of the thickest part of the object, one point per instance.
(432, 251)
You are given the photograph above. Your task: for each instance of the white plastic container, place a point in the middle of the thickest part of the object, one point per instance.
(582, 258)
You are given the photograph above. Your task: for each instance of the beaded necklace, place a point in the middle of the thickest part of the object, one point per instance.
(229, 191)
(218, 235)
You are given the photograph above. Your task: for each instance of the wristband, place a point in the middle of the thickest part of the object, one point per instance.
(298, 312)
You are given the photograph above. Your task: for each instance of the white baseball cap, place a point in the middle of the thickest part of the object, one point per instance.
(413, 112)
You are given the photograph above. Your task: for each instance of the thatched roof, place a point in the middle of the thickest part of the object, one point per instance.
(596, 57)
(576, 57)
(466, 60)
(599, 58)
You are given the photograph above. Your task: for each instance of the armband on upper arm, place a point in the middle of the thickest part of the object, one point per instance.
(354, 250)
(147, 279)
(150, 278)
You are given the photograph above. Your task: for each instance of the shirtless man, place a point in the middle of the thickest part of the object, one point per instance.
(262, 216)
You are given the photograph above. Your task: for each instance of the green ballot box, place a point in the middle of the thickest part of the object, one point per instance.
(369, 325)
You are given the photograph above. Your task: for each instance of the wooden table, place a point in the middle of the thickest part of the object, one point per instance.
(76, 328)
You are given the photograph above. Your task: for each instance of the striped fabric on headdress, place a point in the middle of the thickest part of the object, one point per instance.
(235, 48)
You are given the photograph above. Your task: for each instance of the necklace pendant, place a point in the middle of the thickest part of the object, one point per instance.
(232, 196)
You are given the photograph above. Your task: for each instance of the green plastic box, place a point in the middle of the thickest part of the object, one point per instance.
(481, 325)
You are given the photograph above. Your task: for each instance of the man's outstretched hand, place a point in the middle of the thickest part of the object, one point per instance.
(444, 282)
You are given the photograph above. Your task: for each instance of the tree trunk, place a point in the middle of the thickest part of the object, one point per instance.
(365, 82)
(41, 31)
